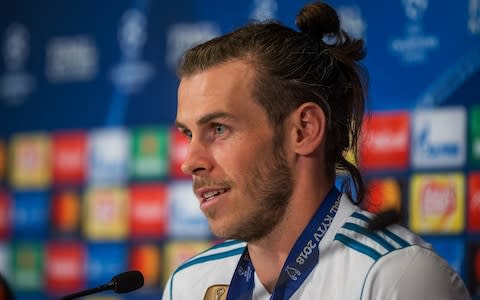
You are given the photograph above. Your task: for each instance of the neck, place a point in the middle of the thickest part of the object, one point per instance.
(269, 254)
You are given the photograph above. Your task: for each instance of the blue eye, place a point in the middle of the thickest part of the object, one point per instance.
(188, 134)
(219, 129)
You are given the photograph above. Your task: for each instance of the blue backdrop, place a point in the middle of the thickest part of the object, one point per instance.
(420, 53)
(96, 64)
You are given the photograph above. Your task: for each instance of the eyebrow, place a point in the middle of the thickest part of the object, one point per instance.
(208, 118)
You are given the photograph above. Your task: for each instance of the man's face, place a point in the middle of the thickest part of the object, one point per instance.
(242, 183)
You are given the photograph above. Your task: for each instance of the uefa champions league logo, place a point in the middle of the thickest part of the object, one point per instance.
(132, 34)
(474, 16)
(293, 273)
(413, 47)
(414, 9)
(247, 273)
(16, 48)
(16, 84)
(131, 74)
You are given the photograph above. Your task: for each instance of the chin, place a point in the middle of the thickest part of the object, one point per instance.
(222, 231)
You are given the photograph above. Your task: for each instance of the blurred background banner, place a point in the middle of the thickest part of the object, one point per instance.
(90, 179)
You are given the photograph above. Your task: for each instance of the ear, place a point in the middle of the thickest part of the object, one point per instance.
(309, 126)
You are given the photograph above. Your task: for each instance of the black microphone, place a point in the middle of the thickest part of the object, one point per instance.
(122, 283)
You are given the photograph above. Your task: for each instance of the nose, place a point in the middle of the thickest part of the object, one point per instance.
(197, 160)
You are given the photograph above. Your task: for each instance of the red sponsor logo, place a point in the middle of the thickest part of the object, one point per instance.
(178, 151)
(69, 157)
(65, 267)
(474, 202)
(146, 259)
(383, 195)
(148, 210)
(437, 199)
(66, 211)
(5, 212)
(385, 141)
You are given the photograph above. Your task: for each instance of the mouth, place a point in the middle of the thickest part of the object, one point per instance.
(210, 194)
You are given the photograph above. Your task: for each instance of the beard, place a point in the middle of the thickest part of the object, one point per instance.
(273, 187)
(269, 186)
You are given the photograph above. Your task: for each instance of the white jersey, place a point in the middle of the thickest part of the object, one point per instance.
(354, 263)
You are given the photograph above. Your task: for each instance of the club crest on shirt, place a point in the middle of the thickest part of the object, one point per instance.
(216, 292)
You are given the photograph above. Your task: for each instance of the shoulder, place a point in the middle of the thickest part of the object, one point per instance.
(374, 244)
(214, 265)
(412, 273)
(399, 264)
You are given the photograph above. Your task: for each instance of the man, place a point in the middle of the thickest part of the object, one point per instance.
(269, 113)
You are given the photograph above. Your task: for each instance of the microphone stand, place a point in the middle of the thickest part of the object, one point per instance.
(122, 283)
(97, 289)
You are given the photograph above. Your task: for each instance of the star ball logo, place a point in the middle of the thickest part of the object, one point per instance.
(16, 84)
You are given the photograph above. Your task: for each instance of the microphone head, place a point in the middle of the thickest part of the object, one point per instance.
(127, 281)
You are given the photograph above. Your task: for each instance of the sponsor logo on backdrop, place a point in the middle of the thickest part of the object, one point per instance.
(16, 84)
(264, 10)
(30, 214)
(30, 165)
(147, 259)
(65, 270)
(148, 210)
(132, 73)
(106, 213)
(28, 272)
(71, 59)
(69, 157)
(473, 219)
(150, 153)
(352, 21)
(182, 36)
(414, 45)
(474, 16)
(474, 130)
(3, 160)
(108, 151)
(66, 211)
(439, 138)
(5, 214)
(186, 218)
(104, 260)
(177, 252)
(178, 152)
(437, 203)
(383, 194)
(385, 141)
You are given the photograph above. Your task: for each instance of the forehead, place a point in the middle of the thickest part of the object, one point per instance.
(226, 87)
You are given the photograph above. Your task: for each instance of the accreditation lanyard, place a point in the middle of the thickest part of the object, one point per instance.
(300, 261)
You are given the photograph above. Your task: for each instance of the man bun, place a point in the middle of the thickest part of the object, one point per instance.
(318, 20)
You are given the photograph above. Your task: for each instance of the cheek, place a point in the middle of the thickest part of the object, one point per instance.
(236, 160)
(233, 160)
